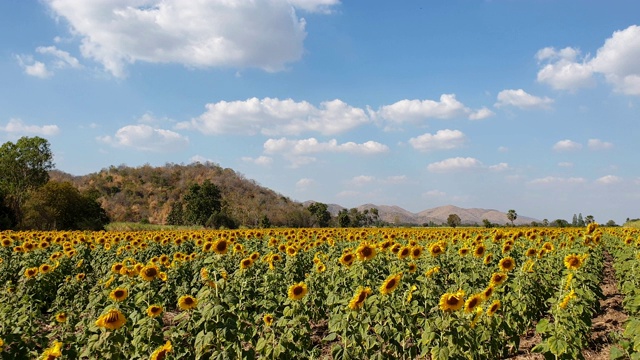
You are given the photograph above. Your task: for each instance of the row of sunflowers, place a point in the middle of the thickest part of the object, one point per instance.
(298, 293)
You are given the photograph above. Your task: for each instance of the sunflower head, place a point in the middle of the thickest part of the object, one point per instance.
(390, 284)
(187, 302)
(572, 262)
(359, 297)
(365, 252)
(473, 302)
(112, 320)
(297, 291)
(451, 301)
(154, 310)
(479, 251)
(347, 259)
(268, 319)
(497, 278)
(493, 308)
(507, 264)
(161, 352)
(61, 317)
(246, 263)
(118, 294)
(149, 272)
(31, 272)
(416, 252)
(404, 252)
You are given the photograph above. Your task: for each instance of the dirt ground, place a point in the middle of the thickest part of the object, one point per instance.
(609, 320)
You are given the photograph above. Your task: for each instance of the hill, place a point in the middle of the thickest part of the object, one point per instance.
(146, 193)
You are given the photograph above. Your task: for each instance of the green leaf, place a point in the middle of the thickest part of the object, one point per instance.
(543, 326)
(616, 353)
(330, 337)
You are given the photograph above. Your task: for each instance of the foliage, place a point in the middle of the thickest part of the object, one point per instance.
(453, 220)
(320, 213)
(512, 215)
(201, 202)
(60, 206)
(24, 166)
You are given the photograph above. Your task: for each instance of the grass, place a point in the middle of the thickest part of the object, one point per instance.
(632, 224)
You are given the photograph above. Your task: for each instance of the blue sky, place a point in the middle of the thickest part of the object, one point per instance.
(503, 104)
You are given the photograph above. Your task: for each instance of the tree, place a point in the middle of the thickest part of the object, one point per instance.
(487, 223)
(574, 222)
(611, 223)
(512, 216)
(265, 223)
(176, 214)
(589, 219)
(60, 206)
(201, 202)
(580, 220)
(321, 214)
(545, 222)
(343, 218)
(453, 220)
(7, 217)
(24, 167)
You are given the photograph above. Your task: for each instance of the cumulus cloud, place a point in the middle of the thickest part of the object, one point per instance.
(18, 127)
(62, 58)
(146, 138)
(260, 160)
(415, 110)
(565, 164)
(608, 179)
(552, 180)
(597, 144)
(193, 33)
(499, 167)
(454, 164)
(567, 145)
(304, 184)
(276, 117)
(361, 180)
(396, 179)
(562, 71)
(442, 140)
(481, 114)
(312, 145)
(32, 67)
(521, 99)
(616, 60)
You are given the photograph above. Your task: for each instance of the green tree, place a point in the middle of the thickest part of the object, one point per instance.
(589, 219)
(265, 223)
(580, 220)
(343, 218)
(60, 206)
(24, 166)
(176, 214)
(487, 223)
(201, 202)
(574, 222)
(512, 216)
(321, 214)
(453, 220)
(7, 217)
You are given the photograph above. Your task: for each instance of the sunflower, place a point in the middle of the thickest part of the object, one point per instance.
(497, 279)
(416, 252)
(297, 291)
(117, 267)
(567, 298)
(162, 275)
(347, 259)
(493, 308)
(547, 246)
(246, 263)
(320, 267)
(432, 271)
(54, 352)
(31, 272)
(390, 284)
(413, 267)
(268, 319)
(149, 272)
(472, 302)
(291, 251)
(187, 302)
(359, 297)
(112, 320)
(404, 252)
(365, 252)
(154, 310)
(80, 276)
(463, 251)
(507, 264)
(572, 262)
(452, 301)
(531, 252)
(45, 268)
(61, 317)
(479, 251)
(486, 294)
(161, 352)
(118, 294)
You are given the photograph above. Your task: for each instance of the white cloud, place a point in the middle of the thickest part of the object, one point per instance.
(312, 145)
(616, 60)
(552, 180)
(567, 145)
(442, 140)
(260, 160)
(63, 58)
(17, 126)
(609, 179)
(503, 149)
(32, 67)
(276, 117)
(396, 179)
(521, 99)
(362, 180)
(481, 114)
(562, 71)
(597, 144)
(434, 193)
(145, 138)
(304, 184)
(415, 110)
(193, 33)
(499, 167)
(454, 164)
(565, 164)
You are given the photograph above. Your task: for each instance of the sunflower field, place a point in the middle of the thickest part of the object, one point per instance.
(309, 293)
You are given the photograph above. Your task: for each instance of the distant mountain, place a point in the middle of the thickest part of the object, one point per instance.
(438, 215)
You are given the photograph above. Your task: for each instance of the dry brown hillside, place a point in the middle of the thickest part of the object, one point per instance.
(147, 193)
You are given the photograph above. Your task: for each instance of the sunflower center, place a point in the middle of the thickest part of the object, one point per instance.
(297, 290)
(119, 293)
(151, 272)
(452, 301)
(188, 301)
(391, 284)
(366, 251)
